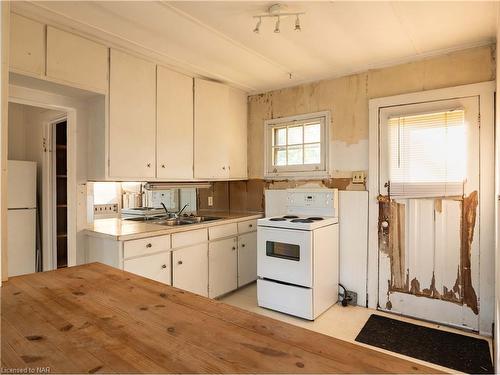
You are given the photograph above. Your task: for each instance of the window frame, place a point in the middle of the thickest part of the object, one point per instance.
(301, 170)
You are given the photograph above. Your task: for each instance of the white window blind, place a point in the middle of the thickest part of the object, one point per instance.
(427, 154)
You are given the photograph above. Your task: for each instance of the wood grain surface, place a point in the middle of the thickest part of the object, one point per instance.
(94, 318)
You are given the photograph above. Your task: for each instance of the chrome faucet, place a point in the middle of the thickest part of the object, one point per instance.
(174, 215)
(178, 213)
(165, 208)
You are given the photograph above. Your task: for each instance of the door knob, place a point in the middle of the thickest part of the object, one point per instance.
(384, 224)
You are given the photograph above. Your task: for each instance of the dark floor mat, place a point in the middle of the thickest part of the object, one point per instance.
(459, 352)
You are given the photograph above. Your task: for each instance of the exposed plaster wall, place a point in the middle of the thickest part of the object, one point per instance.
(347, 100)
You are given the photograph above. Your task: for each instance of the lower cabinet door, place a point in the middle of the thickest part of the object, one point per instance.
(156, 267)
(247, 258)
(223, 265)
(190, 269)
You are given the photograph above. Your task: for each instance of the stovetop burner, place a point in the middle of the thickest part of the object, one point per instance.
(302, 221)
(315, 218)
(290, 217)
(277, 219)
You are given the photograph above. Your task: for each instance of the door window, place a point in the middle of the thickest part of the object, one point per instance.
(427, 154)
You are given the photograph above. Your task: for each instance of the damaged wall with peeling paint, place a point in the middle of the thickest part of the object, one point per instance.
(347, 100)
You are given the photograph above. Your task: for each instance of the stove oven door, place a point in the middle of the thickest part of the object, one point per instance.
(285, 255)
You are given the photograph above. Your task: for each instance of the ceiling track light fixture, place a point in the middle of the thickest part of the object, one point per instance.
(277, 27)
(275, 11)
(257, 27)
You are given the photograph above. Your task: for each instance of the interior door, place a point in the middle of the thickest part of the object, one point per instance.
(428, 215)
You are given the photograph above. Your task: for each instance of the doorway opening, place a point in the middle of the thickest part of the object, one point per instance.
(38, 186)
(60, 157)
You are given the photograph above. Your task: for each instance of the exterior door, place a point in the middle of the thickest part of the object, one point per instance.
(429, 212)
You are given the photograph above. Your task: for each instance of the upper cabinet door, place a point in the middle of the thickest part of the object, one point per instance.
(27, 46)
(237, 131)
(174, 143)
(132, 117)
(76, 60)
(211, 152)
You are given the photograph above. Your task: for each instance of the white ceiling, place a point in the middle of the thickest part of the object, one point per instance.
(216, 39)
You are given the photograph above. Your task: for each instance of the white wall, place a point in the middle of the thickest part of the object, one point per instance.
(496, 334)
(4, 93)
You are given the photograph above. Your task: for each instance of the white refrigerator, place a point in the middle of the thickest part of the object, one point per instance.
(22, 214)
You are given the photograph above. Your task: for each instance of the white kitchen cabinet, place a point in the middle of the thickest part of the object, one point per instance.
(174, 143)
(211, 156)
(190, 269)
(132, 117)
(76, 60)
(223, 266)
(247, 258)
(156, 267)
(237, 134)
(27, 46)
(220, 140)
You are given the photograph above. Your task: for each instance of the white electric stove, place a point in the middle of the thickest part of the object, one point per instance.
(297, 254)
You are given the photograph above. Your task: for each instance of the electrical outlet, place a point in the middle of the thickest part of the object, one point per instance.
(210, 201)
(358, 177)
(104, 209)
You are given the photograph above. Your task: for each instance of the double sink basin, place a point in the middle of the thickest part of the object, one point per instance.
(174, 221)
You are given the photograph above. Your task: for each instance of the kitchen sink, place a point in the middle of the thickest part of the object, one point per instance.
(172, 222)
(183, 220)
(145, 218)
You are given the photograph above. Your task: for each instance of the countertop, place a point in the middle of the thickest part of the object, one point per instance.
(95, 318)
(122, 230)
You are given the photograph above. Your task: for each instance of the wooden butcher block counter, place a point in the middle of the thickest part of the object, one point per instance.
(94, 318)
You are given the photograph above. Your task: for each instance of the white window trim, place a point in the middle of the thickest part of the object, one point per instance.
(301, 171)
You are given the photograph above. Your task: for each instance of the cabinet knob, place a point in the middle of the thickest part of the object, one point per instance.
(250, 225)
(149, 245)
(164, 266)
(179, 262)
(234, 247)
(229, 167)
(148, 165)
(242, 245)
(163, 166)
(224, 168)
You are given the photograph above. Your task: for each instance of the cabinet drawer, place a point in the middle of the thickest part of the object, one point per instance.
(247, 226)
(189, 238)
(145, 246)
(220, 231)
